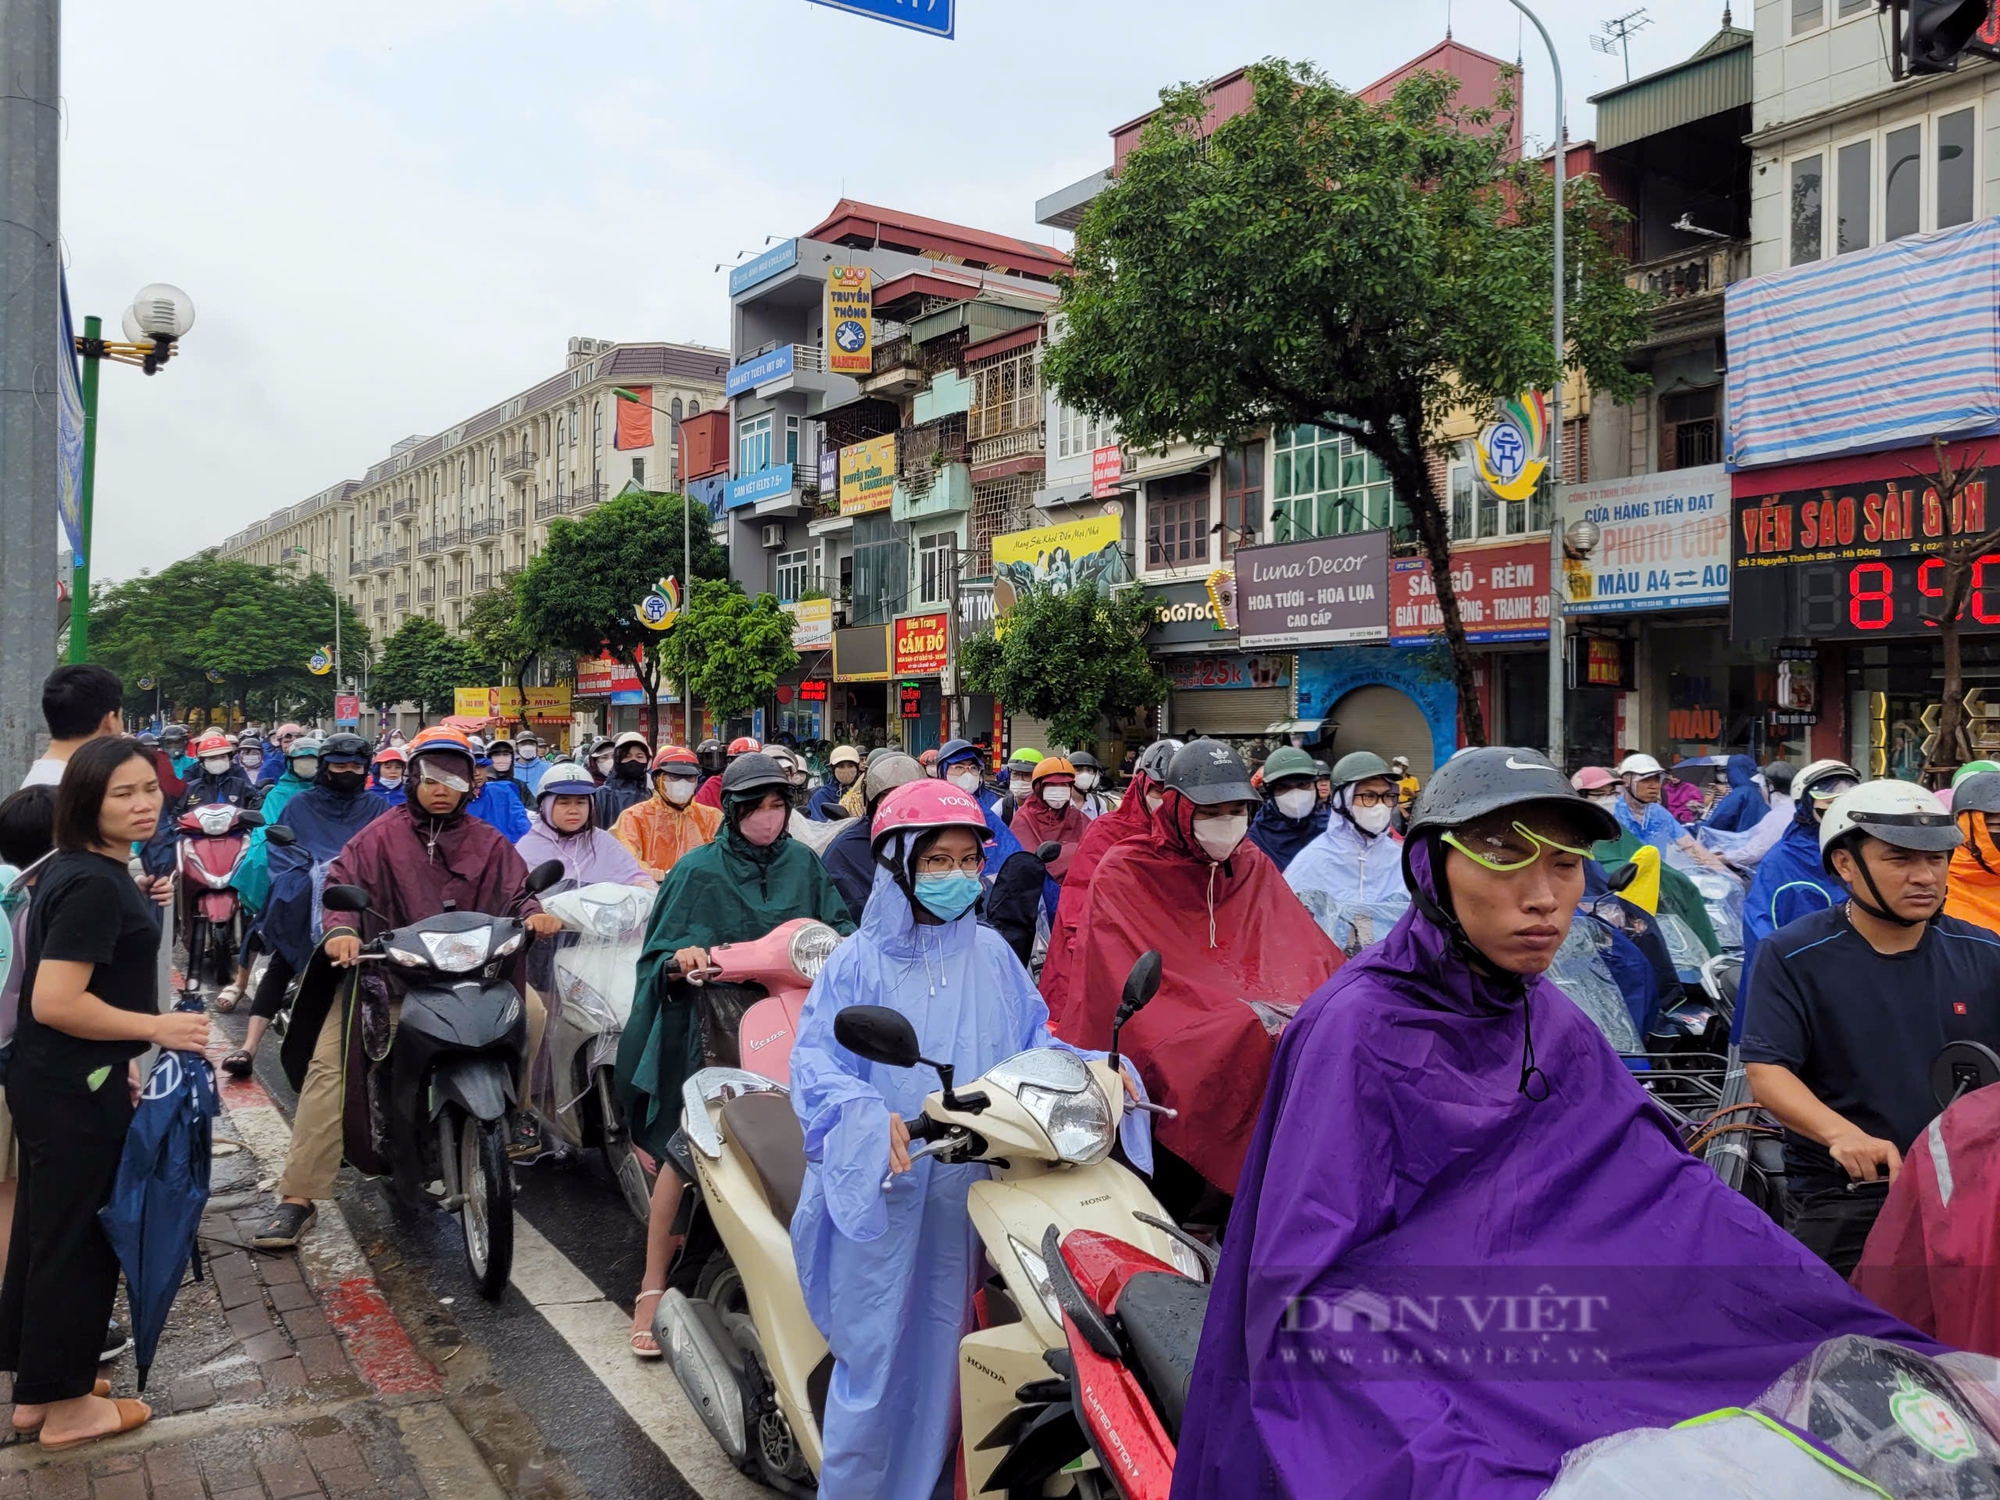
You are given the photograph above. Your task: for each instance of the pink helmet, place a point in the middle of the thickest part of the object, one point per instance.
(923, 807)
(1592, 779)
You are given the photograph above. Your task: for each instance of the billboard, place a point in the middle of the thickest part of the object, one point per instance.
(1062, 557)
(1317, 592)
(1654, 541)
(850, 319)
(1503, 595)
(867, 475)
(920, 645)
(815, 623)
(543, 703)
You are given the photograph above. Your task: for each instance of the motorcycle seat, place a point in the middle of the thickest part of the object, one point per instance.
(768, 1132)
(1161, 1315)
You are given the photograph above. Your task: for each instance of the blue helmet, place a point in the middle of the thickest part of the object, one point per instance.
(956, 750)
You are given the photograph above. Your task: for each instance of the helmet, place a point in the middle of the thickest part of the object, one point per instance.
(847, 755)
(176, 734)
(391, 755)
(1288, 763)
(211, 743)
(280, 732)
(1640, 765)
(565, 781)
(1357, 765)
(675, 760)
(752, 775)
(1896, 812)
(711, 755)
(1156, 757)
(602, 743)
(951, 751)
(304, 745)
(1484, 780)
(1207, 772)
(1051, 766)
(343, 745)
(1400, 764)
(744, 745)
(1971, 768)
(630, 738)
(1083, 760)
(928, 759)
(1779, 774)
(1821, 782)
(498, 743)
(1979, 792)
(889, 772)
(440, 741)
(149, 739)
(527, 737)
(923, 806)
(1593, 779)
(1027, 755)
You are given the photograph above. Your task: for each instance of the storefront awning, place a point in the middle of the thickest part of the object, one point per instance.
(1169, 470)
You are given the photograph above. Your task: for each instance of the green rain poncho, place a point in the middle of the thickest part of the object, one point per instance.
(1677, 893)
(253, 874)
(727, 891)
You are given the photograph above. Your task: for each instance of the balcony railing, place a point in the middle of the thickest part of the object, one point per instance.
(402, 601)
(551, 505)
(399, 555)
(487, 526)
(359, 565)
(427, 595)
(455, 539)
(453, 587)
(1702, 273)
(586, 495)
(923, 450)
(481, 582)
(1018, 444)
(382, 515)
(379, 563)
(429, 545)
(381, 606)
(402, 507)
(520, 462)
(517, 517)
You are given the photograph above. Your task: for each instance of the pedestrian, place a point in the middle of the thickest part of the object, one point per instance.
(80, 702)
(27, 837)
(529, 767)
(89, 1008)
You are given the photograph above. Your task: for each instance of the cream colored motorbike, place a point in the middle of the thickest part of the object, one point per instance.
(1044, 1121)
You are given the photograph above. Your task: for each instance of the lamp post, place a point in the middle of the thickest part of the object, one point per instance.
(160, 315)
(687, 544)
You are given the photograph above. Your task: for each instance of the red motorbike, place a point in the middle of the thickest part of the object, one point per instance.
(214, 839)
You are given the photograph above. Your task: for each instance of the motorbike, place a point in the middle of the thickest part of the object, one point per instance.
(458, 1046)
(213, 839)
(745, 1350)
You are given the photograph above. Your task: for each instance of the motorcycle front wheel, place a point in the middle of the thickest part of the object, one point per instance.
(486, 1179)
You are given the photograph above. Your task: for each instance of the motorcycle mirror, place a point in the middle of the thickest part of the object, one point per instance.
(1142, 983)
(877, 1034)
(248, 819)
(1624, 877)
(280, 835)
(544, 875)
(1049, 853)
(348, 898)
(1962, 1067)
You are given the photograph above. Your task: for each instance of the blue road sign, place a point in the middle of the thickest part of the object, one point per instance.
(932, 17)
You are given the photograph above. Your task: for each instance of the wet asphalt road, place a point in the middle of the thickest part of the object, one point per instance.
(541, 1417)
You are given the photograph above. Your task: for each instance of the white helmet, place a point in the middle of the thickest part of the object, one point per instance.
(1640, 765)
(1822, 782)
(1896, 812)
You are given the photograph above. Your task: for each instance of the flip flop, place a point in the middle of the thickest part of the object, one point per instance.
(638, 1351)
(102, 1388)
(132, 1415)
(238, 1064)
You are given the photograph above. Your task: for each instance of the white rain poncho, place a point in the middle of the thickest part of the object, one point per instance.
(1344, 870)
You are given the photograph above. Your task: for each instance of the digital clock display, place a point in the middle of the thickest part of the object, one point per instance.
(1874, 598)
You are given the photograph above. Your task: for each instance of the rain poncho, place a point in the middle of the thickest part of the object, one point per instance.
(1745, 806)
(727, 891)
(1651, 824)
(1974, 893)
(1344, 868)
(1239, 953)
(499, 804)
(323, 820)
(588, 856)
(620, 792)
(1681, 798)
(1679, 895)
(1747, 849)
(825, 806)
(1284, 838)
(888, 1275)
(1790, 882)
(202, 789)
(850, 864)
(530, 773)
(1128, 820)
(253, 872)
(395, 795)
(660, 833)
(1036, 823)
(1435, 1284)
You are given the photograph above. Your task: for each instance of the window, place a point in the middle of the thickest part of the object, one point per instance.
(639, 472)
(1885, 186)
(1177, 522)
(1242, 497)
(676, 409)
(1903, 182)
(1853, 184)
(791, 440)
(1808, 215)
(753, 445)
(1006, 394)
(1689, 430)
(597, 426)
(1954, 196)
(881, 569)
(1462, 492)
(935, 554)
(694, 407)
(791, 570)
(1807, 15)
(1078, 436)
(1326, 484)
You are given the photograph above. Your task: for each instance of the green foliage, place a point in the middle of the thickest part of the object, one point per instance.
(423, 663)
(493, 629)
(730, 649)
(255, 626)
(1320, 259)
(1072, 658)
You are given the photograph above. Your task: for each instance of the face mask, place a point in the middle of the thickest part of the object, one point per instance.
(1297, 804)
(502, 764)
(631, 770)
(251, 760)
(965, 781)
(1219, 837)
(763, 826)
(947, 896)
(531, 753)
(603, 764)
(347, 782)
(389, 779)
(215, 765)
(1153, 801)
(1019, 786)
(306, 767)
(680, 790)
(1056, 796)
(1086, 781)
(1602, 799)
(1370, 819)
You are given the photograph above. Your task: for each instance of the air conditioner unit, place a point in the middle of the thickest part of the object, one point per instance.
(774, 533)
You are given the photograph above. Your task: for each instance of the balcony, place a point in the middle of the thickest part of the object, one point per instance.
(932, 491)
(399, 555)
(359, 565)
(515, 467)
(453, 587)
(586, 495)
(517, 517)
(382, 516)
(402, 602)
(379, 563)
(427, 595)
(1690, 287)
(778, 367)
(895, 369)
(489, 526)
(455, 540)
(481, 582)
(1024, 443)
(381, 606)
(403, 508)
(428, 546)
(553, 505)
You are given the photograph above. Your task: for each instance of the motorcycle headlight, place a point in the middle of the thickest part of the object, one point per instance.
(510, 945)
(1037, 1270)
(812, 946)
(456, 952)
(406, 958)
(1078, 1123)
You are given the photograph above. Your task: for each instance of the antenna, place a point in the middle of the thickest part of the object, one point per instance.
(1617, 37)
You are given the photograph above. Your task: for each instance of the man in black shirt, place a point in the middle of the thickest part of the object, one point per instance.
(1848, 1007)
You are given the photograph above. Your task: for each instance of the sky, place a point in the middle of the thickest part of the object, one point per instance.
(391, 215)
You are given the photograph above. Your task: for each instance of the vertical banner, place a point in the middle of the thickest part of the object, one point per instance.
(69, 434)
(635, 419)
(850, 319)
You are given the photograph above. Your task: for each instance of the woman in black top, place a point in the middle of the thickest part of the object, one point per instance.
(89, 1007)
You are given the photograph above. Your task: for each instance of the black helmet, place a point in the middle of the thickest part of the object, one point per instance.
(599, 745)
(1207, 772)
(713, 755)
(1157, 757)
(345, 746)
(753, 775)
(497, 742)
(174, 734)
(1979, 792)
(149, 739)
(1779, 774)
(1474, 783)
(1083, 759)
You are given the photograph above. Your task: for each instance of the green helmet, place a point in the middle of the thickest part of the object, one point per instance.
(1287, 762)
(1026, 755)
(1360, 765)
(1972, 768)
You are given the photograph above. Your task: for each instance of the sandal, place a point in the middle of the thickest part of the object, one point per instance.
(287, 1224)
(238, 1064)
(226, 998)
(132, 1415)
(102, 1388)
(651, 1348)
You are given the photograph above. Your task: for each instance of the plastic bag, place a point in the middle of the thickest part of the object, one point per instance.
(1582, 972)
(1734, 1455)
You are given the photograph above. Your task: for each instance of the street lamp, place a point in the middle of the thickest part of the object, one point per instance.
(159, 317)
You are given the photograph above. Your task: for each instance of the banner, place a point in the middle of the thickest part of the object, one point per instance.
(1311, 593)
(1107, 471)
(850, 319)
(920, 645)
(347, 709)
(1072, 555)
(1654, 541)
(815, 623)
(635, 419)
(1503, 595)
(69, 434)
(867, 475)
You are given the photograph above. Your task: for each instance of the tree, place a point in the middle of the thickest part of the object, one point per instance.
(729, 648)
(422, 663)
(582, 593)
(493, 628)
(1323, 260)
(1072, 657)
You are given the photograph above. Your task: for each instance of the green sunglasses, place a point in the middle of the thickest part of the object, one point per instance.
(1505, 853)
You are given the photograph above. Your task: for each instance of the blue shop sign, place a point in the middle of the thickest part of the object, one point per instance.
(1329, 675)
(763, 267)
(752, 489)
(761, 370)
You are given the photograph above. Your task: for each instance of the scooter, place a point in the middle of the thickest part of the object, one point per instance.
(744, 1348)
(213, 840)
(458, 1046)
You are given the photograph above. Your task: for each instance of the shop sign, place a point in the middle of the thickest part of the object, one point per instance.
(868, 475)
(910, 700)
(1107, 471)
(347, 708)
(815, 622)
(1857, 560)
(542, 703)
(1694, 724)
(1073, 555)
(763, 267)
(754, 489)
(829, 472)
(760, 369)
(1503, 595)
(1184, 617)
(922, 645)
(812, 690)
(1328, 589)
(861, 654)
(1798, 680)
(850, 319)
(975, 608)
(1654, 541)
(1602, 661)
(1200, 673)
(597, 676)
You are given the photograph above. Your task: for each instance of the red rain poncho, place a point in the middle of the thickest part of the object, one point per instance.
(1128, 820)
(1036, 823)
(1230, 935)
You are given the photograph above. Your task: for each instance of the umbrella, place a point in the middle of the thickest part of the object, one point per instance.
(1700, 768)
(157, 1201)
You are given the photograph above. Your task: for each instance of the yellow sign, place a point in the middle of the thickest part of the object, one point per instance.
(868, 475)
(473, 703)
(850, 319)
(815, 622)
(1509, 449)
(543, 703)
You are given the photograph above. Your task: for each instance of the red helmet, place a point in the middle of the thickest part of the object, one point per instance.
(676, 756)
(925, 806)
(745, 745)
(391, 755)
(213, 742)
(438, 740)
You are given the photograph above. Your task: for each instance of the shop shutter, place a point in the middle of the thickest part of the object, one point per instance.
(1023, 730)
(1227, 712)
(1381, 719)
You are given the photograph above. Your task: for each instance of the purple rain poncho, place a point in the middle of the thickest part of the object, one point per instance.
(1433, 1285)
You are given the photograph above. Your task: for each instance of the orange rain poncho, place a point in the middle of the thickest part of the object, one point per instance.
(1975, 888)
(660, 833)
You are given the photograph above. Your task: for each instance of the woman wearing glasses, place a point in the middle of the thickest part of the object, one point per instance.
(1465, 1240)
(1351, 877)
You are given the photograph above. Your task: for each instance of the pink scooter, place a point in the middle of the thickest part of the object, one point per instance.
(784, 963)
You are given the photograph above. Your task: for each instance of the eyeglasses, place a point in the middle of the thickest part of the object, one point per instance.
(944, 864)
(1511, 849)
(1374, 799)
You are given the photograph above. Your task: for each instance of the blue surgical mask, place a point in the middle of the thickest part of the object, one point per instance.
(948, 896)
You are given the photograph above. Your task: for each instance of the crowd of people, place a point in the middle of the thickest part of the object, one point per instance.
(1359, 1061)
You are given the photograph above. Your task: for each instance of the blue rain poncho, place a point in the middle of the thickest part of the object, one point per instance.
(499, 804)
(323, 820)
(1651, 825)
(1343, 870)
(1745, 805)
(253, 872)
(1790, 883)
(889, 1275)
